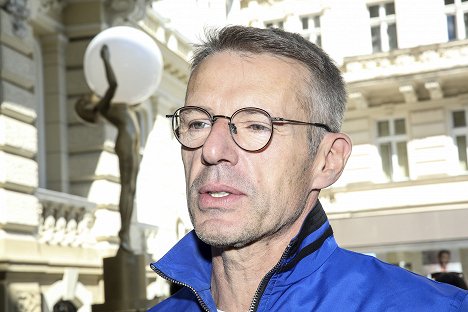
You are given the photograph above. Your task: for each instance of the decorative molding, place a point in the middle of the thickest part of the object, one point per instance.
(65, 219)
(358, 100)
(424, 59)
(435, 90)
(409, 93)
(28, 302)
(52, 5)
(20, 12)
(69, 288)
(118, 12)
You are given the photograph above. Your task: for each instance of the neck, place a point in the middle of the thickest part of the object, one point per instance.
(237, 273)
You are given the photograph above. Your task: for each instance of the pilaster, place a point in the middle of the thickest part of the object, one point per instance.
(55, 111)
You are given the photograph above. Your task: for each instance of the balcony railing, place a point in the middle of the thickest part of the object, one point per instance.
(65, 219)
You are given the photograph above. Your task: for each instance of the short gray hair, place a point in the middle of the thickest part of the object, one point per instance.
(324, 98)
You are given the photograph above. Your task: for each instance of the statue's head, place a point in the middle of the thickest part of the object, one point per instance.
(84, 107)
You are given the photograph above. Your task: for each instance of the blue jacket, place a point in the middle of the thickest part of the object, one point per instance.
(314, 274)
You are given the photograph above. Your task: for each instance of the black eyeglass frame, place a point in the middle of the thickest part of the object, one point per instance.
(213, 118)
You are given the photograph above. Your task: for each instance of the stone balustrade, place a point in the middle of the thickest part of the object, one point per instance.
(156, 25)
(65, 219)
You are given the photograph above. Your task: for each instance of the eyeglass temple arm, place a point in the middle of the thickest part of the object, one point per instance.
(298, 122)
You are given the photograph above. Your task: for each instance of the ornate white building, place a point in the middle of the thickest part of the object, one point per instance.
(402, 197)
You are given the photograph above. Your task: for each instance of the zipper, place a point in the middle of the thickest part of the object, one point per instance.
(200, 300)
(266, 279)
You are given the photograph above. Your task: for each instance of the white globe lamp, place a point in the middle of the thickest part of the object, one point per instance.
(135, 59)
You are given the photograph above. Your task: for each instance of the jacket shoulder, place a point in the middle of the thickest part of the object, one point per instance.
(399, 287)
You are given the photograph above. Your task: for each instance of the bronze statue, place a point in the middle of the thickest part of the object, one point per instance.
(127, 144)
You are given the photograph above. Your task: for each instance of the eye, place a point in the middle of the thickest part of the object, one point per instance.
(254, 126)
(199, 124)
(252, 121)
(258, 127)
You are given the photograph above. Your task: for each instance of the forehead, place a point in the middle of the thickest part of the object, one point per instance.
(235, 80)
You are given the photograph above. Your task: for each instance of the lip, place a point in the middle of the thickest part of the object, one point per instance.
(206, 201)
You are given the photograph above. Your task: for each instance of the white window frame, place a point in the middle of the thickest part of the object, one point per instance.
(313, 33)
(458, 9)
(460, 131)
(396, 173)
(383, 21)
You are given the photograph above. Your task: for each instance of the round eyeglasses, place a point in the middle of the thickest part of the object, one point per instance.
(251, 128)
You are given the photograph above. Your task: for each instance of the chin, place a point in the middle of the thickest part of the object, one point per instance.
(222, 238)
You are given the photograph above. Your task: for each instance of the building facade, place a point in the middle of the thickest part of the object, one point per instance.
(403, 194)
(59, 177)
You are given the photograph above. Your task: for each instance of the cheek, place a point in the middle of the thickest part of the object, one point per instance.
(187, 160)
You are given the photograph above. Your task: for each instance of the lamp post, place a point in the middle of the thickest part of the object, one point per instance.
(123, 67)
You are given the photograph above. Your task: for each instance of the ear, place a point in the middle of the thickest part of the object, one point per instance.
(332, 155)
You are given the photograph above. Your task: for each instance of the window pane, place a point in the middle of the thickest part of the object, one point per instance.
(400, 126)
(375, 32)
(385, 151)
(392, 36)
(305, 23)
(451, 27)
(462, 155)
(374, 11)
(317, 21)
(402, 154)
(383, 128)
(318, 40)
(389, 8)
(465, 17)
(459, 119)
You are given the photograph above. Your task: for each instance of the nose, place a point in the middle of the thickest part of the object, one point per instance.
(219, 146)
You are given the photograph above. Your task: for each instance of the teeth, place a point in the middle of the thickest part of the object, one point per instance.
(219, 194)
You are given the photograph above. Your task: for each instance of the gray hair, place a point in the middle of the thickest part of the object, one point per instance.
(324, 96)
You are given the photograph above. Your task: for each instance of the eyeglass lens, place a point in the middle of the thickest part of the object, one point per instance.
(250, 128)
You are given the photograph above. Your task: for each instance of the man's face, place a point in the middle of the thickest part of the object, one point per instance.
(237, 197)
(444, 258)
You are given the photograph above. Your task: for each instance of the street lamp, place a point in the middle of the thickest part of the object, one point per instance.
(123, 67)
(135, 58)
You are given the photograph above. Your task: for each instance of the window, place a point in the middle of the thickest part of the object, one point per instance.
(383, 27)
(275, 24)
(456, 12)
(460, 137)
(391, 141)
(311, 28)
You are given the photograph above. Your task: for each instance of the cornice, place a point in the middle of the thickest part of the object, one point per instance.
(404, 62)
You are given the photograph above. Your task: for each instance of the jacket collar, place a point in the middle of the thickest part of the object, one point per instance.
(189, 262)
(314, 231)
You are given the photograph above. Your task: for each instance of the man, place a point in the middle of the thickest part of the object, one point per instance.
(260, 139)
(444, 264)
(443, 258)
(446, 272)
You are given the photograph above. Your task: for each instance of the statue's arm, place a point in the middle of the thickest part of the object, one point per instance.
(105, 102)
